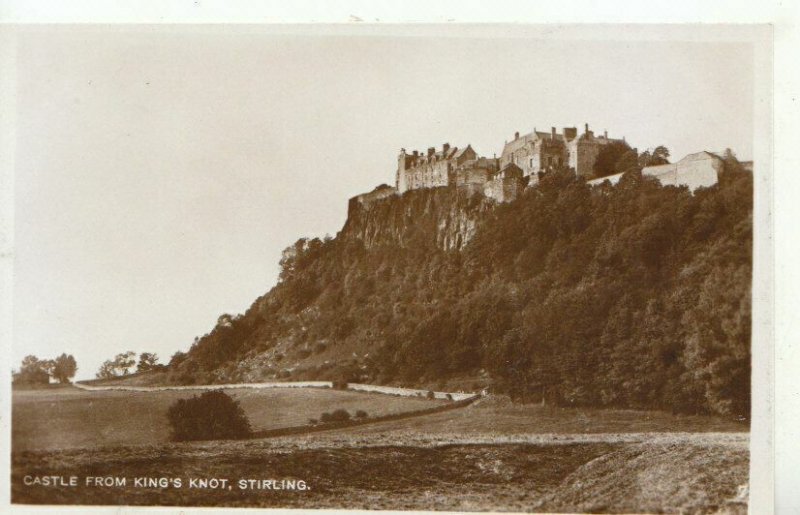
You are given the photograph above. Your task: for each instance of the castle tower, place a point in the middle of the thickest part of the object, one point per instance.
(404, 162)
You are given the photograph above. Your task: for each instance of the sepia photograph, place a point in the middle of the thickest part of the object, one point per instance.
(497, 268)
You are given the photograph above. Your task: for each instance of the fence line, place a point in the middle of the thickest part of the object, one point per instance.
(386, 390)
(285, 384)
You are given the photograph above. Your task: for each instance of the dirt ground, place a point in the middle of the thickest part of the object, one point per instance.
(491, 456)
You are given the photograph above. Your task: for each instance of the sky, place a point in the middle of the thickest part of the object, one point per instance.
(160, 171)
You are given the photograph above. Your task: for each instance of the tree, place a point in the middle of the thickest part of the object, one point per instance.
(147, 361)
(64, 368)
(659, 156)
(32, 371)
(606, 162)
(214, 415)
(119, 366)
(107, 370)
(627, 162)
(125, 361)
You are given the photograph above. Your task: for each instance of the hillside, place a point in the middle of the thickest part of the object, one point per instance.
(634, 296)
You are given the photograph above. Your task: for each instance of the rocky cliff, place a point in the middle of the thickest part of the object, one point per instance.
(446, 218)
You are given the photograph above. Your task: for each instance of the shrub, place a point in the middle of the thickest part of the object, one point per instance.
(340, 415)
(214, 415)
(361, 414)
(449, 397)
(340, 385)
(313, 422)
(430, 394)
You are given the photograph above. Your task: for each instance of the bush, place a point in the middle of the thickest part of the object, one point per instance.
(313, 422)
(340, 385)
(449, 397)
(340, 415)
(361, 414)
(430, 394)
(214, 415)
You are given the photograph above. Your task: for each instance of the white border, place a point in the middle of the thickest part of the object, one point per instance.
(782, 15)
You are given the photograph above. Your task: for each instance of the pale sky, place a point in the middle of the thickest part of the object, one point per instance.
(161, 171)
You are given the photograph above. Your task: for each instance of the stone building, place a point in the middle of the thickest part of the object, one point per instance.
(697, 170)
(583, 151)
(471, 176)
(507, 184)
(431, 170)
(541, 151)
(538, 151)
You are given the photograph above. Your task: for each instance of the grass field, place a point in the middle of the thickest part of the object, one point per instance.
(62, 418)
(490, 455)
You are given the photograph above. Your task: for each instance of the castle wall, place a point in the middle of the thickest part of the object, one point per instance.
(432, 170)
(694, 171)
(504, 189)
(365, 200)
(582, 155)
(427, 175)
(551, 154)
(613, 179)
(522, 157)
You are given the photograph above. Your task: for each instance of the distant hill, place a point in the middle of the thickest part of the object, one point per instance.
(635, 296)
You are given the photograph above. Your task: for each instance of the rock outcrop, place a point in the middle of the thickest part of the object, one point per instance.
(442, 217)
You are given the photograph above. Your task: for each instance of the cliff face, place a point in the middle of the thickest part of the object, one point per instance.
(444, 218)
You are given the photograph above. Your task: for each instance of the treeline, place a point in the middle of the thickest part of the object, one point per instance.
(34, 371)
(124, 362)
(635, 296)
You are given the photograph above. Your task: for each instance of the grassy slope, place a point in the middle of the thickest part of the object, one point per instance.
(494, 416)
(72, 418)
(137, 379)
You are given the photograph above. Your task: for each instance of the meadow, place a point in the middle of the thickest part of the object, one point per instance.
(490, 455)
(66, 417)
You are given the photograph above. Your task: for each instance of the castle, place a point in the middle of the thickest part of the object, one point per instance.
(541, 151)
(523, 161)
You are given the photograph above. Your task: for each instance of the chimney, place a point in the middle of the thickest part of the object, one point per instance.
(586, 128)
(416, 153)
(553, 133)
(516, 135)
(431, 151)
(446, 147)
(605, 134)
(570, 133)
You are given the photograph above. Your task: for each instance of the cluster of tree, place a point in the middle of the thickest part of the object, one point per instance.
(339, 415)
(619, 157)
(615, 157)
(213, 415)
(636, 295)
(124, 363)
(34, 371)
